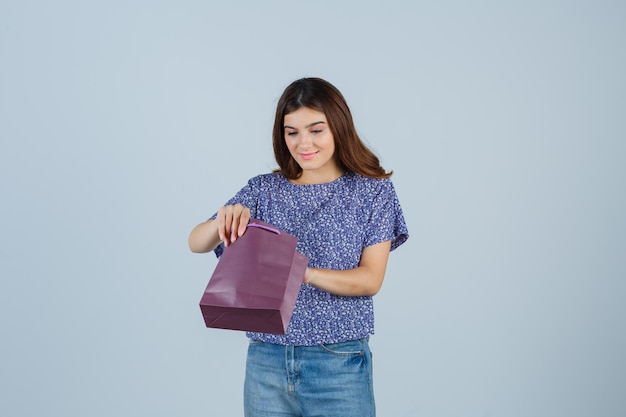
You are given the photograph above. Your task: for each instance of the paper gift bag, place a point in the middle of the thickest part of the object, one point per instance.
(256, 282)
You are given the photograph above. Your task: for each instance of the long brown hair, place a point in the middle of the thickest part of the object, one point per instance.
(317, 94)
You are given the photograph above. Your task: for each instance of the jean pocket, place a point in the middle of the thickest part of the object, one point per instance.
(351, 347)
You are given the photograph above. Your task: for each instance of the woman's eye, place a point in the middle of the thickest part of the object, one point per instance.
(316, 131)
(292, 133)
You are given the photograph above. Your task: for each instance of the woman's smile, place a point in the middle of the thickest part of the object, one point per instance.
(308, 156)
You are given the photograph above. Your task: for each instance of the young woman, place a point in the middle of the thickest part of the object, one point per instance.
(332, 194)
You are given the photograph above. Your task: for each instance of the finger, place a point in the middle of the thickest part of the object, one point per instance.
(244, 220)
(241, 216)
(219, 221)
(228, 231)
(235, 223)
(223, 228)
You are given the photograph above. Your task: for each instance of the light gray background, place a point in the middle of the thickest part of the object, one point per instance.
(125, 123)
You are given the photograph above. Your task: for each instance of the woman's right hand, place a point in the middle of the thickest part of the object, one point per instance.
(231, 222)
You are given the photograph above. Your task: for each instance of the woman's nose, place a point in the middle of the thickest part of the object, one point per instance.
(306, 140)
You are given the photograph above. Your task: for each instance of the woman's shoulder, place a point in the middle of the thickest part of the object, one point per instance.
(368, 183)
(267, 179)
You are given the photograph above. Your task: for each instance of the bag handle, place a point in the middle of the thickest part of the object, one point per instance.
(262, 226)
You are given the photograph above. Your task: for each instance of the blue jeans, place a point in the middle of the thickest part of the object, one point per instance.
(306, 381)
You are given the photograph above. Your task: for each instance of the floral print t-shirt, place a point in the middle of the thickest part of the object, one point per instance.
(333, 222)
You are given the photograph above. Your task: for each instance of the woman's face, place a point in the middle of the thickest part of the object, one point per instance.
(312, 145)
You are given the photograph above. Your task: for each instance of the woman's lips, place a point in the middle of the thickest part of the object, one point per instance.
(307, 156)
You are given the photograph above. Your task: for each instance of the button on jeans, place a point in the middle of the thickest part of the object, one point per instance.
(332, 380)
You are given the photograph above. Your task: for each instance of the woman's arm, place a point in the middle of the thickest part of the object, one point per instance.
(364, 280)
(230, 224)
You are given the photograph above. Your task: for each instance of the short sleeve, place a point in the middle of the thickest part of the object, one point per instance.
(386, 221)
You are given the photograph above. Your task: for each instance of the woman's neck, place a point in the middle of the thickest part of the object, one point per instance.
(313, 177)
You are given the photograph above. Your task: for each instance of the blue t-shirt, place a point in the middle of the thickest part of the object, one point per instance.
(333, 222)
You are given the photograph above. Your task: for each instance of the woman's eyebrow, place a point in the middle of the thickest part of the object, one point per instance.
(307, 126)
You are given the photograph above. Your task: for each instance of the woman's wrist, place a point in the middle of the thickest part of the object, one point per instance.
(308, 276)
